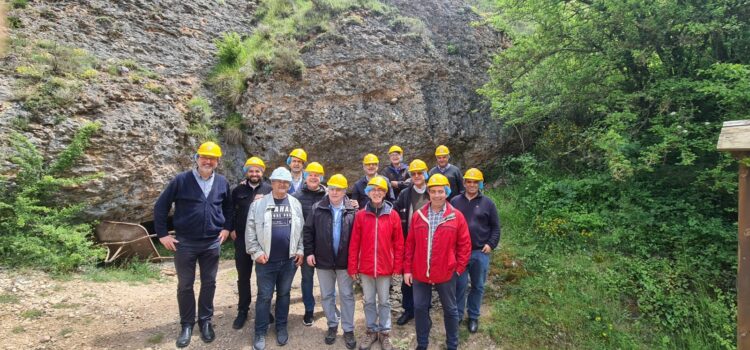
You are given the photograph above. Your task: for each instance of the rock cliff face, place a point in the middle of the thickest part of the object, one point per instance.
(368, 84)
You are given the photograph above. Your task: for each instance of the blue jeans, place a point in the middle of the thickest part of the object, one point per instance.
(476, 271)
(423, 299)
(308, 272)
(278, 275)
(206, 256)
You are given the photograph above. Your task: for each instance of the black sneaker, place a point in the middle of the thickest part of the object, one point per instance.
(240, 320)
(308, 319)
(349, 340)
(331, 335)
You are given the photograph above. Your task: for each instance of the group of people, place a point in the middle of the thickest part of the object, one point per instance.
(434, 229)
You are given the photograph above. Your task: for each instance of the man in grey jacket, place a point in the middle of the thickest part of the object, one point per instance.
(273, 238)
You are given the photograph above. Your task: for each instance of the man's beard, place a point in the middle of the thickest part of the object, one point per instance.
(254, 180)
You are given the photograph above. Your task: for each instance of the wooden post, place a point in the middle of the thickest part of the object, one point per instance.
(735, 138)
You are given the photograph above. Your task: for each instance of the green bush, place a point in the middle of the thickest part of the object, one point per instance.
(200, 109)
(19, 4)
(230, 50)
(233, 129)
(37, 230)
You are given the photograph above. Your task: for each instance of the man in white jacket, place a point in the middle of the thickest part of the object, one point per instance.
(273, 237)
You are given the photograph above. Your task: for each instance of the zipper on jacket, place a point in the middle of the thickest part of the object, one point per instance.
(376, 243)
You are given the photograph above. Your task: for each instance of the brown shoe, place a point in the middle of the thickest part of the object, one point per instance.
(369, 339)
(385, 341)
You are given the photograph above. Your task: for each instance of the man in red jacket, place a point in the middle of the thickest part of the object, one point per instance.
(438, 248)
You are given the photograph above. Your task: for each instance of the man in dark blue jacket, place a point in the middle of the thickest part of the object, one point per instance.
(370, 165)
(450, 171)
(202, 221)
(484, 228)
(310, 193)
(251, 188)
(397, 172)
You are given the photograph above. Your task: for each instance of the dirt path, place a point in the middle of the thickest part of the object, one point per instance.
(37, 312)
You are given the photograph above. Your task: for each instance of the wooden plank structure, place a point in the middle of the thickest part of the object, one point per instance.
(735, 138)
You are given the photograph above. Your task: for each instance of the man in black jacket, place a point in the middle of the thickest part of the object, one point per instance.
(326, 237)
(308, 194)
(243, 195)
(450, 171)
(409, 201)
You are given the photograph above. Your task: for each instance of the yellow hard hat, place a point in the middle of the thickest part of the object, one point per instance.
(209, 149)
(315, 167)
(395, 148)
(438, 180)
(474, 174)
(417, 165)
(254, 161)
(338, 181)
(299, 153)
(370, 159)
(442, 151)
(378, 181)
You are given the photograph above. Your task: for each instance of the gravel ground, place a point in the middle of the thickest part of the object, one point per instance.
(39, 312)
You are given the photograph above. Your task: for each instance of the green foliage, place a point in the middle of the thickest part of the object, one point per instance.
(50, 75)
(19, 4)
(233, 129)
(14, 22)
(623, 101)
(203, 132)
(591, 294)
(32, 313)
(37, 229)
(129, 271)
(200, 109)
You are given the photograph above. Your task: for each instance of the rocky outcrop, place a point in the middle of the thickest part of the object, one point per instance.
(369, 84)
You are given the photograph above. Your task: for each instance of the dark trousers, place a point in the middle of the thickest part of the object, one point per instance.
(269, 276)
(423, 299)
(244, 264)
(206, 255)
(308, 272)
(407, 298)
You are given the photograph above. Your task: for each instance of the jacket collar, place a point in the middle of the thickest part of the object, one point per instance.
(385, 210)
(325, 203)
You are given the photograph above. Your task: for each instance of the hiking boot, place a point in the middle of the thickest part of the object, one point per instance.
(385, 341)
(473, 325)
(308, 319)
(369, 339)
(331, 335)
(239, 321)
(349, 340)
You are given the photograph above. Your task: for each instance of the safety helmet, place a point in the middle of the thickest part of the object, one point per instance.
(254, 161)
(474, 174)
(297, 153)
(315, 167)
(442, 151)
(281, 174)
(209, 149)
(417, 165)
(370, 159)
(338, 181)
(438, 180)
(378, 181)
(395, 148)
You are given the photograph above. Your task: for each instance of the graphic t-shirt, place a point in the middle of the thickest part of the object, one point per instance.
(281, 230)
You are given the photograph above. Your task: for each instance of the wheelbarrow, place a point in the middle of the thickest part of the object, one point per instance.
(125, 240)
